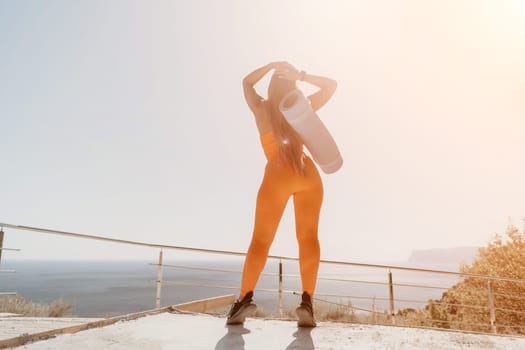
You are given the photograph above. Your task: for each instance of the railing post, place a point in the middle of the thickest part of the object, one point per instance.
(1, 242)
(159, 280)
(280, 288)
(374, 311)
(491, 308)
(391, 293)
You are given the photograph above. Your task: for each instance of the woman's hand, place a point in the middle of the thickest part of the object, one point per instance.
(252, 97)
(285, 70)
(277, 64)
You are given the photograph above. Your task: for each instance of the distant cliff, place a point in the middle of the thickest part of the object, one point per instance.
(444, 256)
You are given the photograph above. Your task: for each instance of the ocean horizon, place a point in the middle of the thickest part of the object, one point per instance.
(104, 288)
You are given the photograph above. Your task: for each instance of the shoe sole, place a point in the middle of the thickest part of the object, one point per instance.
(305, 318)
(242, 314)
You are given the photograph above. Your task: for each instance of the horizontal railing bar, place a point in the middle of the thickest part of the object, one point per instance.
(408, 301)
(345, 306)
(8, 271)
(510, 311)
(381, 283)
(411, 301)
(171, 283)
(462, 305)
(508, 296)
(297, 276)
(418, 286)
(505, 326)
(10, 249)
(182, 267)
(351, 296)
(365, 310)
(225, 252)
(355, 307)
(115, 240)
(354, 281)
(371, 298)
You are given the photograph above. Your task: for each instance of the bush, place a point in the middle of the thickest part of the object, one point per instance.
(21, 306)
(503, 257)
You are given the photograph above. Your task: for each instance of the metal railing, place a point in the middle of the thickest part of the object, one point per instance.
(392, 287)
(2, 249)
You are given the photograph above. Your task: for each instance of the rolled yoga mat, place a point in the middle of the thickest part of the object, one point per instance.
(298, 111)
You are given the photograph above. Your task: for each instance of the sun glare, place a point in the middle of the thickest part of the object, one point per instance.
(519, 5)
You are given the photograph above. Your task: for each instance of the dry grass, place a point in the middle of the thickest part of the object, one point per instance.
(339, 312)
(21, 306)
(322, 312)
(263, 313)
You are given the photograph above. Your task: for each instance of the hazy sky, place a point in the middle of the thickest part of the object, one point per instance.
(127, 119)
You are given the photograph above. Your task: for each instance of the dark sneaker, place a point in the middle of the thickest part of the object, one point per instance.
(305, 312)
(241, 309)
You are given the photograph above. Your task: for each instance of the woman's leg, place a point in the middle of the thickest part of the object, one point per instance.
(271, 202)
(307, 206)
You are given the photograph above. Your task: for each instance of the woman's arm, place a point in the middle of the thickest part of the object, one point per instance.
(252, 98)
(327, 86)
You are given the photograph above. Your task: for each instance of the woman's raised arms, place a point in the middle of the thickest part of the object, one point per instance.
(252, 97)
(285, 70)
(327, 86)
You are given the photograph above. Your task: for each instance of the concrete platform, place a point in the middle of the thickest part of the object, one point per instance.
(12, 325)
(200, 331)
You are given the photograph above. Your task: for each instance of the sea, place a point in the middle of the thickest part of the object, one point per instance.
(109, 288)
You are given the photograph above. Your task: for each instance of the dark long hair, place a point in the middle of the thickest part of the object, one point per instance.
(290, 143)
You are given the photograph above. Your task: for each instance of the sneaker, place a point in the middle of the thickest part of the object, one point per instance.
(305, 312)
(241, 309)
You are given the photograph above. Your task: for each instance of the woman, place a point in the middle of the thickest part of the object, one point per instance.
(288, 172)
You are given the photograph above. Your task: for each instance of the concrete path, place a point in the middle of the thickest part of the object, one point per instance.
(13, 326)
(198, 331)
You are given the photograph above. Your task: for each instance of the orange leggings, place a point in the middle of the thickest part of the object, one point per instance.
(279, 183)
